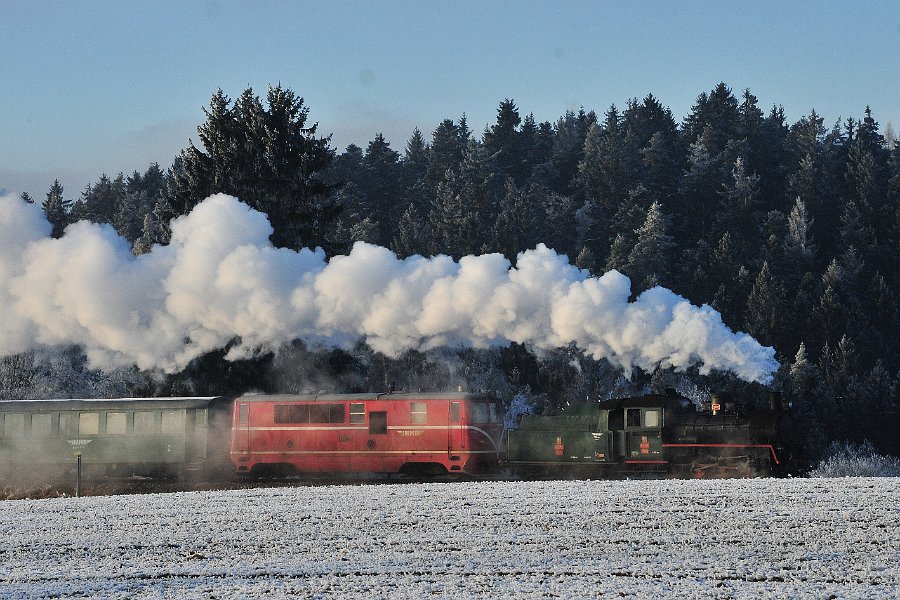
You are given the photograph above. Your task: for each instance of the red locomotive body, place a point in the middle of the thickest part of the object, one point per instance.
(412, 433)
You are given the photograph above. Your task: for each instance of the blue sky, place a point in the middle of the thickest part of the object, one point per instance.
(95, 86)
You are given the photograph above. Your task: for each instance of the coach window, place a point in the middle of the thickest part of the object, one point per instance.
(64, 420)
(41, 425)
(89, 424)
(418, 414)
(14, 426)
(116, 423)
(651, 418)
(357, 413)
(172, 422)
(143, 423)
(633, 417)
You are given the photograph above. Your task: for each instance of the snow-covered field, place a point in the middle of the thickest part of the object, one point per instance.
(815, 538)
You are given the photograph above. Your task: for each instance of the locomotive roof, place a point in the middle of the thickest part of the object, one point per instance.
(648, 401)
(333, 397)
(57, 404)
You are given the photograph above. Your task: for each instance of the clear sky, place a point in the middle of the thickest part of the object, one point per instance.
(96, 86)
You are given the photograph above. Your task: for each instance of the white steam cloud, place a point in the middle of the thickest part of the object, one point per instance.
(220, 279)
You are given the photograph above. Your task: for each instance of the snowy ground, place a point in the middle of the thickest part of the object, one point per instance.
(814, 538)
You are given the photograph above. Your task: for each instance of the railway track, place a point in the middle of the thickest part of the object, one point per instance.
(113, 486)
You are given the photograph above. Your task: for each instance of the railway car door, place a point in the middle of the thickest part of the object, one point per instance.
(242, 427)
(456, 441)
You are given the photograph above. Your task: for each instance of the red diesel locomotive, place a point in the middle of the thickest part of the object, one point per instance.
(400, 432)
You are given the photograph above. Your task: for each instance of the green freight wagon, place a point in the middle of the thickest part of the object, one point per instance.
(40, 440)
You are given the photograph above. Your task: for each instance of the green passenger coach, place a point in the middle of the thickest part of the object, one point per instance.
(41, 439)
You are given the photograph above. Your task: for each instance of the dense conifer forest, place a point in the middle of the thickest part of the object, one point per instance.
(790, 230)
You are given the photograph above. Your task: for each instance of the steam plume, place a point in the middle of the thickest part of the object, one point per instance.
(220, 279)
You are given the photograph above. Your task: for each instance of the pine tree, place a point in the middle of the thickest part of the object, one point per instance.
(465, 205)
(762, 316)
(411, 236)
(57, 209)
(585, 260)
(381, 181)
(569, 134)
(799, 244)
(504, 139)
(619, 252)
(267, 157)
(739, 210)
(448, 145)
(518, 221)
(649, 260)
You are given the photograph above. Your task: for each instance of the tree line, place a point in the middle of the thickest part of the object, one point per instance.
(790, 230)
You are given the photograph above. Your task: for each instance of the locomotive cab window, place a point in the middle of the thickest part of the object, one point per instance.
(633, 417)
(651, 418)
(454, 412)
(418, 414)
(357, 413)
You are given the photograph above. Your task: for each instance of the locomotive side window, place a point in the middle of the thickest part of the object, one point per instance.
(493, 410)
(291, 413)
(115, 423)
(479, 413)
(651, 418)
(336, 413)
(633, 417)
(41, 425)
(309, 413)
(319, 413)
(172, 423)
(418, 414)
(357, 413)
(14, 426)
(244, 414)
(89, 424)
(143, 423)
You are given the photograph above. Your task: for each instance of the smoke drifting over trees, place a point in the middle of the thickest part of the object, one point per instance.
(790, 232)
(219, 280)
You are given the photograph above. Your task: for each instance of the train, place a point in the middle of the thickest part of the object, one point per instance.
(657, 435)
(412, 434)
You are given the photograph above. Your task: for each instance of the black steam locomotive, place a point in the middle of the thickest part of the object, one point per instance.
(658, 435)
